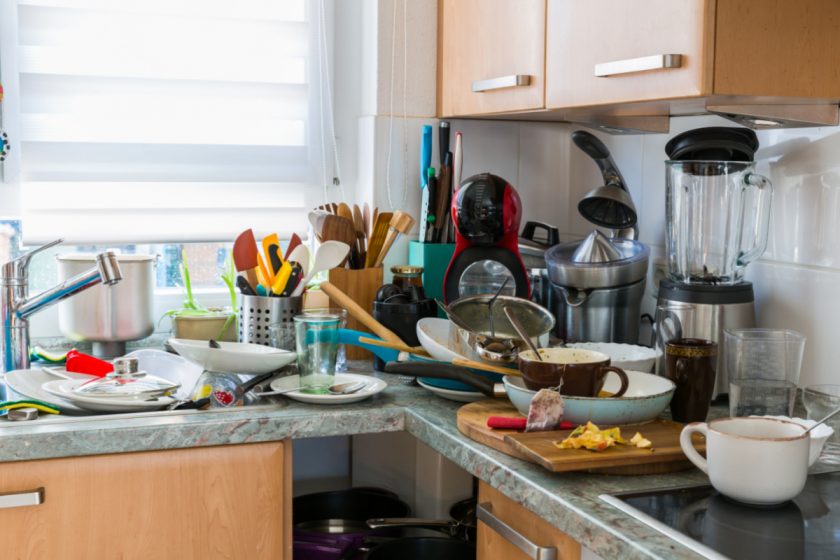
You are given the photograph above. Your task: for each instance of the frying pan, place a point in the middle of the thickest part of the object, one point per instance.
(423, 548)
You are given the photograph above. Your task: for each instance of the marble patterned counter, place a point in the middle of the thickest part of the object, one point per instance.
(567, 501)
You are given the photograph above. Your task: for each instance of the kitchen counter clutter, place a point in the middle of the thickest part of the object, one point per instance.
(568, 501)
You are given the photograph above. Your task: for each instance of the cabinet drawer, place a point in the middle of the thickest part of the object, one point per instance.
(492, 56)
(508, 531)
(615, 51)
(213, 502)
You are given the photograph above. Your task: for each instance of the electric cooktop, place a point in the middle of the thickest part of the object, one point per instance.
(806, 528)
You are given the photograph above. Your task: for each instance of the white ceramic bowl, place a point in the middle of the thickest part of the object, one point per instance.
(645, 399)
(233, 357)
(624, 356)
(433, 334)
(819, 435)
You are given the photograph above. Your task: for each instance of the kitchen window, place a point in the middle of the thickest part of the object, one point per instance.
(163, 121)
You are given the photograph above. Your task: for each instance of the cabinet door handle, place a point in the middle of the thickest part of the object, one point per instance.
(485, 514)
(630, 65)
(514, 80)
(21, 499)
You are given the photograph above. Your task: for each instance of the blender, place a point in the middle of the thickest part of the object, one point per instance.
(717, 219)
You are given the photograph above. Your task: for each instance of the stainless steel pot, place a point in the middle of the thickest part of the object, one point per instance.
(485, 334)
(109, 316)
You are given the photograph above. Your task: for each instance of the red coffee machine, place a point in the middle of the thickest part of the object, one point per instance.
(486, 211)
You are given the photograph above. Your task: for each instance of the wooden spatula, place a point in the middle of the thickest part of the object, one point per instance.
(337, 228)
(359, 224)
(377, 237)
(401, 222)
(367, 220)
(245, 256)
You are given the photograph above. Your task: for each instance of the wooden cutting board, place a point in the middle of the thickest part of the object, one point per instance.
(538, 447)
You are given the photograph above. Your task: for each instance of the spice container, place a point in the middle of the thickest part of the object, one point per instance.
(407, 275)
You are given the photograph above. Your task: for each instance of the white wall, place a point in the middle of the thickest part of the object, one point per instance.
(797, 279)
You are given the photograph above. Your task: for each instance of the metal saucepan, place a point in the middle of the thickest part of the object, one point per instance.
(332, 525)
(483, 332)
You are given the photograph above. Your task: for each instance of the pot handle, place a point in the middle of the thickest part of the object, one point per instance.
(761, 226)
(622, 375)
(448, 526)
(440, 370)
(688, 447)
(484, 513)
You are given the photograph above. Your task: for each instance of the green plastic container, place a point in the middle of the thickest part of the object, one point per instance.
(434, 258)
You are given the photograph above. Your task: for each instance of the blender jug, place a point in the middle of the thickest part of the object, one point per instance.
(717, 218)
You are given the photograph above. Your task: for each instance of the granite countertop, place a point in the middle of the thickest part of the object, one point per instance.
(567, 501)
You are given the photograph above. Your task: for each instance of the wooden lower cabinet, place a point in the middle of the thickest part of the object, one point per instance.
(230, 502)
(524, 528)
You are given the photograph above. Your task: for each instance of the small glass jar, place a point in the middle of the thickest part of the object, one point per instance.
(407, 275)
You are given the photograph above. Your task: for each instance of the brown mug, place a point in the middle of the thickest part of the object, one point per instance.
(691, 363)
(582, 372)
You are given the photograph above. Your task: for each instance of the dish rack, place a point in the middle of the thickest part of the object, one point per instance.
(257, 313)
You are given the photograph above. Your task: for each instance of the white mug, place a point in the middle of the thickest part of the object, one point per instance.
(760, 461)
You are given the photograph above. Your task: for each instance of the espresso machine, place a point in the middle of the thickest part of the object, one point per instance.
(717, 219)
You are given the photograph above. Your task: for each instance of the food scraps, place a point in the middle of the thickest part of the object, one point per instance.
(592, 438)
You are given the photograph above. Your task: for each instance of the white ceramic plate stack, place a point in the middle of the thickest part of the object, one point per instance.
(65, 389)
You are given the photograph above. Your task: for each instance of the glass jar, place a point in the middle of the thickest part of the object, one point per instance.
(407, 275)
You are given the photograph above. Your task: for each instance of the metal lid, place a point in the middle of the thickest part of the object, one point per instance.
(597, 262)
(407, 269)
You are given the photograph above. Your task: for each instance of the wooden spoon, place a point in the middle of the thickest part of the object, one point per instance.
(343, 300)
(359, 224)
(377, 237)
(337, 228)
(400, 223)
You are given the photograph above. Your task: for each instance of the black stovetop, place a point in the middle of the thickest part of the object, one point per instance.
(807, 528)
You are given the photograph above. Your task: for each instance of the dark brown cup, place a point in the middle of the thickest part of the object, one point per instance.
(691, 363)
(582, 372)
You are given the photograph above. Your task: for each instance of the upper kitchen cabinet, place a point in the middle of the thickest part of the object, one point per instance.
(491, 56)
(601, 52)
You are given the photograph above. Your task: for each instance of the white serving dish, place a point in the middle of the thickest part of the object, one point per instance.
(646, 397)
(64, 389)
(374, 386)
(819, 435)
(433, 334)
(233, 357)
(624, 356)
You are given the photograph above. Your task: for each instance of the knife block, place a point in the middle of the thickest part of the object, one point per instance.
(361, 285)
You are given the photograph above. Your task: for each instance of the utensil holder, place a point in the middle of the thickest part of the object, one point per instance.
(361, 285)
(434, 258)
(256, 313)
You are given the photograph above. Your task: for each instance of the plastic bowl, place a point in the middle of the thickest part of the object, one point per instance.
(647, 396)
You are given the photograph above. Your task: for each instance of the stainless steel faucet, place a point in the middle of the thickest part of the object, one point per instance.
(16, 306)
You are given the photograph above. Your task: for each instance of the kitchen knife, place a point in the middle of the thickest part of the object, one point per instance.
(457, 162)
(426, 201)
(443, 140)
(431, 217)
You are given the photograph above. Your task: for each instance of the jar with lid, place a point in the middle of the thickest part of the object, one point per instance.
(407, 275)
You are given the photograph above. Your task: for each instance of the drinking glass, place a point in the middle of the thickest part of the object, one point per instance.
(316, 336)
(341, 356)
(819, 401)
(763, 367)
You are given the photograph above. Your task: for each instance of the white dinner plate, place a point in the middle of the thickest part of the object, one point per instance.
(63, 388)
(374, 386)
(28, 384)
(233, 357)
(449, 394)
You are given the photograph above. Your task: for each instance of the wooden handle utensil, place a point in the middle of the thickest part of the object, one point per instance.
(401, 222)
(365, 318)
(463, 362)
(417, 350)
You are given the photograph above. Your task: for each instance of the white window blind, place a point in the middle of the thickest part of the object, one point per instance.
(167, 120)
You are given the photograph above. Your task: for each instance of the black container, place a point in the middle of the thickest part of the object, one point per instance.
(402, 319)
